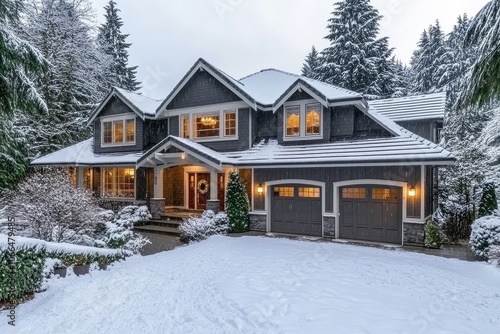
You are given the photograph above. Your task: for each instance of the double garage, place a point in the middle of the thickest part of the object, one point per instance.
(366, 212)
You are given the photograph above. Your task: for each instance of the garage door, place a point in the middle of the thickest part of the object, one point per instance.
(296, 209)
(371, 213)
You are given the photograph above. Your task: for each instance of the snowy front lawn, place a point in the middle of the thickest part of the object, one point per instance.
(264, 285)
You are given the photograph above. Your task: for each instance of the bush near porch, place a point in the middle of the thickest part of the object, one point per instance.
(198, 229)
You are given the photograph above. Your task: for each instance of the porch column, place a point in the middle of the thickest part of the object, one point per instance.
(158, 186)
(213, 184)
(79, 177)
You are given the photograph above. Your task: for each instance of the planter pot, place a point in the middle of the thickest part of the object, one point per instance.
(81, 270)
(103, 266)
(60, 271)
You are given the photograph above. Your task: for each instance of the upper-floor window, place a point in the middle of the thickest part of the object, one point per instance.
(303, 120)
(210, 125)
(118, 131)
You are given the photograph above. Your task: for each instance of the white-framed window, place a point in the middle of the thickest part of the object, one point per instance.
(119, 182)
(292, 121)
(185, 129)
(230, 123)
(214, 125)
(118, 131)
(302, 119)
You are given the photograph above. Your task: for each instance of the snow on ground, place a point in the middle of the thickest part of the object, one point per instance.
(266, 285)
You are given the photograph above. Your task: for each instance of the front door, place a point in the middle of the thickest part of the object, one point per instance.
(199, 190)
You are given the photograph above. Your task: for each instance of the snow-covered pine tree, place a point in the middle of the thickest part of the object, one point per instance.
(20, 62)
(237, 204)
(456, 61)
(427, 59)
(62, 30)
(312, 63)
(403, 78)
(355, 55)
(484, 86)
(112, 41)
(488, 203)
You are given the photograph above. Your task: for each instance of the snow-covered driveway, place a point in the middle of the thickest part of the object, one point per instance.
(264, 285)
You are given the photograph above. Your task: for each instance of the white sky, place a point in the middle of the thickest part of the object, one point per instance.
(244, 36)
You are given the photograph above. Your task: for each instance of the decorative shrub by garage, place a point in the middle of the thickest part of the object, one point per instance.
(485, 236)
(237, 204)
(432, 235)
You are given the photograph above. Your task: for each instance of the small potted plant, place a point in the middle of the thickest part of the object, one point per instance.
(81, 264)
(60, 269)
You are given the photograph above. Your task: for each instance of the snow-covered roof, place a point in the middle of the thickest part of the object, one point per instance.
(267, 86)
(83, 154)
(142, 105)
(412, 108)
(145, 104)
(409, 149)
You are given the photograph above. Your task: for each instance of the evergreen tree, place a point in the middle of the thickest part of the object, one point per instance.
(237, 204)
(356, 59)
(484, 86)
(456, 61)
(403, 79)
(19, 63)
(488, 203)
(112, 40)
(312, 64)
(427, 59)
(62, 29)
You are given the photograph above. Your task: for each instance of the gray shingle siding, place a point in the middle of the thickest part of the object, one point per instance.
(114, 107)
(173, 126)
(264, 124)
(350, 123)
(154, 132)
(425, 129)
(329, 175)
(203, 89)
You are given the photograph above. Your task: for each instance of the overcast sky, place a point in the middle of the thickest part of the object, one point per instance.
(244, 36)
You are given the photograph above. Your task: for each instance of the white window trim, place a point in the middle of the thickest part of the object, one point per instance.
(303, 121)
(124, 120)
(222, 124)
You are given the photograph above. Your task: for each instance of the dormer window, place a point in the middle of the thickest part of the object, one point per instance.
(214, 125)
(118, 131)
(302, 120)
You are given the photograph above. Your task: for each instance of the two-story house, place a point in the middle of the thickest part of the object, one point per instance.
(316, 159)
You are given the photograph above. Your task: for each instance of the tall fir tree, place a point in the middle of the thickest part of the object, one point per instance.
(19, 63)
(237, 204)
(112, 40)
(312, 64)
(456, 61)
(484, 86)
(355, 55)
(427, 59)
(62, 30)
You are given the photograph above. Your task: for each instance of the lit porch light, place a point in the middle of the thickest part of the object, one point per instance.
(412, 192)
(260, 189)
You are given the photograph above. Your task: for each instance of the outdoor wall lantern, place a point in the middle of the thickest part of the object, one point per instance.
(260, 189)
(412, 192)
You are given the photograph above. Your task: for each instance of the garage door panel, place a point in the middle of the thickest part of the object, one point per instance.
(296, 209)
(371, 213)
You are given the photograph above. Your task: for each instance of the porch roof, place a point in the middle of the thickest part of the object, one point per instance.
(82, 154)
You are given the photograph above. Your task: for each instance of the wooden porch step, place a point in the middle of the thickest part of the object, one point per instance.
(174, 223)
(158, 229)
(180, 215)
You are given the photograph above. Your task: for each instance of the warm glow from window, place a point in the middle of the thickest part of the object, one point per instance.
(229, 123)
(107, 133)
(185, 126)
(119, 182)
(207, 126)
(118, 132)
(293, 121)
(130, 130)
(313, 120)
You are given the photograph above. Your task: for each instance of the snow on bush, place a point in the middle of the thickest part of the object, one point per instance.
(485, 237)
(116, 230)
(54, 209)
(197, 229)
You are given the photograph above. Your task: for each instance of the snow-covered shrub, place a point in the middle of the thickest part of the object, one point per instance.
(55, 210)
(485, 236)
(197, 229)
(237, 204)
(23, 277)
(488, 203)
(432, 234)
(117, 230)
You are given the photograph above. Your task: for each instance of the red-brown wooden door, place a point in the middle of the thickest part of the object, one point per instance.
(199, 190)
(221, 190)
